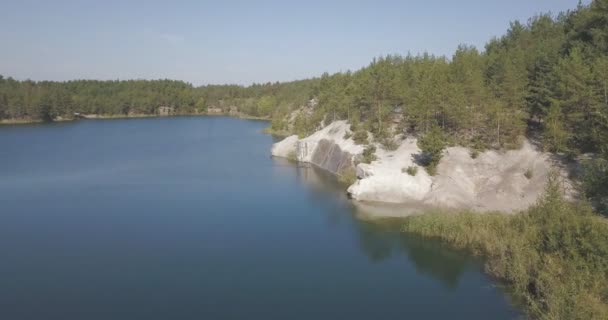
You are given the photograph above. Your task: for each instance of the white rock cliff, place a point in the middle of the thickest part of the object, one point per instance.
(493, 181)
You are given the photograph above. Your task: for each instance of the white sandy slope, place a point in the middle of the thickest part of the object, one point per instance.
(494, 181)
(384, 181)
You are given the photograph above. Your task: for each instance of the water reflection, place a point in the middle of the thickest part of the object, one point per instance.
(380, 238)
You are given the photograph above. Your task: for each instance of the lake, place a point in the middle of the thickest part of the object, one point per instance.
(190, 218)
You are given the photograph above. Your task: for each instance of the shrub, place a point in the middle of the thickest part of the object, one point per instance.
(553, 256)
(390, 144)
(529, 174)
(347, 135)
(474, 154)
(595, 183)
(348, 175)
(369, 154)
(411, 170)
(431, 169)
(432, 145)
(360, 137)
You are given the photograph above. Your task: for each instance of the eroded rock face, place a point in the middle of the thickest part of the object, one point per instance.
(329, 156)
(326, 148)
(493, 181)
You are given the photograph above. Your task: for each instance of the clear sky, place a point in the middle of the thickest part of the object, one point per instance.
(240, 42)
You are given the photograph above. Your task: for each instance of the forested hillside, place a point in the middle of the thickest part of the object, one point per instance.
(546, 76)
(46, 100)
(551, 72)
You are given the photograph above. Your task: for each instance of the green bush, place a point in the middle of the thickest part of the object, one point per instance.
(390, 144)
(431, 169)
(553, 256)
(411, 170)
(474, 154)
(595, 183)
(347, 135)
(360, 137)
(432, 145)
(369, 154)
(348, 175)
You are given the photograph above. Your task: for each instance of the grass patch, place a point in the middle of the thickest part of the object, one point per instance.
(390, 144)
(554, 256)
(411, 170)
(360, 137)
(348, 176)
(431, 169)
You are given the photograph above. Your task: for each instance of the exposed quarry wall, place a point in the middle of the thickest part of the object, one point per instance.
(493, 181)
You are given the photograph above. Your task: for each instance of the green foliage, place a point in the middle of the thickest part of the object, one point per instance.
(266, 105)
(595, 183)
(278, 123)
(389, 143)
(348, 176)
(432, 145)
(474, 154)
(369, 154)
(360, 137)
(411, 170)
(301, 126)
(556, 137)
(554, 256)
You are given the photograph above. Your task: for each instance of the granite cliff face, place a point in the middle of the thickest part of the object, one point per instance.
(326, 149)
(493, 181)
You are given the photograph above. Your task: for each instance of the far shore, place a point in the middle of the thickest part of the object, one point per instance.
(122, 116)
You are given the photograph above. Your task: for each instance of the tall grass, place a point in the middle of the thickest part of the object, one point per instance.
(348, 176)
(554, 256)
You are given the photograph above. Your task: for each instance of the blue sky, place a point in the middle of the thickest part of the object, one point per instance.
(240, 42)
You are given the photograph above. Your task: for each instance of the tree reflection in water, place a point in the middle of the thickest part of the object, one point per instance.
(380, 238)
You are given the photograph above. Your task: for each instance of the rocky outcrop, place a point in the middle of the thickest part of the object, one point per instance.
(493, 181)
(326, 148)
(285, 148)
(329, 156)
(384, 180)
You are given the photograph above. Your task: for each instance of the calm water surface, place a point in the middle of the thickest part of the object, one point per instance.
(189, 218)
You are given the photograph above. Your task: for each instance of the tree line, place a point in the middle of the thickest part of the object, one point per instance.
(547, 78)
(48, 100)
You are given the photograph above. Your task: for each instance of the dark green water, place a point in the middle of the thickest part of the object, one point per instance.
(190, 218)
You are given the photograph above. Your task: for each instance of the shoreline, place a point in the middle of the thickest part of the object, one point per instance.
(506, 181)
(10, 122)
